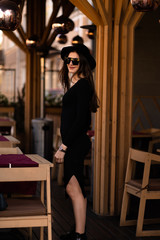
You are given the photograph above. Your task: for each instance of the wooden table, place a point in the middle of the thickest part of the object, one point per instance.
(145, 139)
(6, 122)
(11, 142)
(29, 212)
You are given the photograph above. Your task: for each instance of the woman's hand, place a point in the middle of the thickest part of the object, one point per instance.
(59, 155)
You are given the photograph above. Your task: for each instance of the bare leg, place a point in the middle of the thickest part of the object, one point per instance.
(79, 204)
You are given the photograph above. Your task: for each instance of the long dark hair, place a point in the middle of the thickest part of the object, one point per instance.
(84, 70)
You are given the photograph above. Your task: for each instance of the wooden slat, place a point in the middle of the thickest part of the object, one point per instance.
(49, 26)
(22, 34)
(95, 4)
(88, 10)
(118, 5)
(128, 14)
(98, 122)
(102, 11)
(123, 134)
(118, 8)
(105, 131)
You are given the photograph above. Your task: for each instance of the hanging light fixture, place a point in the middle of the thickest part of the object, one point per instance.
(62, 39)
(31, 42)
(90, 34)
(77, 40)
(10, 15)
(63, 25)
(91, 30)
(145, 5)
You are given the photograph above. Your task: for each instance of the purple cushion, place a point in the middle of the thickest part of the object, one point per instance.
(16, 160)
(2, 138)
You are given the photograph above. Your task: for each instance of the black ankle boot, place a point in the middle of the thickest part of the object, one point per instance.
(68, 235)
(78, 236)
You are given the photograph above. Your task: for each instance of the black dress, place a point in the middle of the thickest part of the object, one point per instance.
(75, 122)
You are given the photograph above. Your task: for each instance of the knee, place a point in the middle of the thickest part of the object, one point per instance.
(72, 191)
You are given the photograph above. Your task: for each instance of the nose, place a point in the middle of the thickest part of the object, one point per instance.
(71, 63)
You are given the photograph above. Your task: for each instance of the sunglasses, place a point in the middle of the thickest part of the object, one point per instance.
(75, 61)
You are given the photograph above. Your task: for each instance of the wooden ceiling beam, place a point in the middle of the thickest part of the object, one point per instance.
(88, 10)
(136, 18)
(22, 34)
(14, 38)
(68, 7)
(95, 4)
(125, 5)
(52, 38)
(22, 5)
(102, 10)
(118, 8)
(128, 14)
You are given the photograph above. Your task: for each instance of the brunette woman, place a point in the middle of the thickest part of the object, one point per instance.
(79, 101)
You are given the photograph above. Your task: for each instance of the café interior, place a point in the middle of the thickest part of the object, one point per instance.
(122, 169)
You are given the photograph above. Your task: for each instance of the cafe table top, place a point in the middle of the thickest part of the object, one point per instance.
(12, 139)
(26, 173)
(146, 133)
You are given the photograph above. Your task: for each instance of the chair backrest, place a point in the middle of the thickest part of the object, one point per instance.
(145, 158)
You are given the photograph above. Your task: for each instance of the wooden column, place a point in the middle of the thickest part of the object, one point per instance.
(125, 97)
(33, 87)
(102, 126)
(114, 106)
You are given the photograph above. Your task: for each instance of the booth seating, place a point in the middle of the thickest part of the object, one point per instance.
(146, 188)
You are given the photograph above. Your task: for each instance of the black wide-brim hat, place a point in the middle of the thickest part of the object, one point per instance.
(80, 49)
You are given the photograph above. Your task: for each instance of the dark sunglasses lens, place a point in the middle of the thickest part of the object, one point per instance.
(75, 62)
(67, 60)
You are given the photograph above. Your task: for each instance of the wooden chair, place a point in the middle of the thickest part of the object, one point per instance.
(29, 212)
(145, 189)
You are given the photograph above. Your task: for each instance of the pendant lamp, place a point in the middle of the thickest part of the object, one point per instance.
(63, 25)
(62, 39)
(10, 15)
(77, 40)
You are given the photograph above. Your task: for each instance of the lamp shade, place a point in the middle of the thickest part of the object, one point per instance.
(10, 15)
(145, 5)
(63, 25)
(31, 42)
(62, 39)
(77, 40)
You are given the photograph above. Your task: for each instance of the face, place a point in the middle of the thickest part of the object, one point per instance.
(73, 65)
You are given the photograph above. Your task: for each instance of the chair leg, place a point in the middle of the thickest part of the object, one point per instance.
(60, 174)
(140, 218)
(49, 228)
(124, 209)
(30, 233)
(41, 233)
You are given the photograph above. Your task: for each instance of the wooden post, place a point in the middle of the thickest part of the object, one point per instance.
(114, 106)
(33, 87)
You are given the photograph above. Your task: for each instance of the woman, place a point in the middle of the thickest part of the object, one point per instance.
(79, 101)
